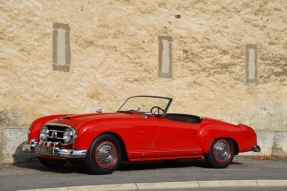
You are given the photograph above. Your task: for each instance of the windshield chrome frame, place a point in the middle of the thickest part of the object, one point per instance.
(160, 97)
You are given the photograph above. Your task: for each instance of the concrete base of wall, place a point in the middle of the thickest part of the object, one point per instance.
(272, 143)
(13, 139)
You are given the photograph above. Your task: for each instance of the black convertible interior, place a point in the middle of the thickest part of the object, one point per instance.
(183, 117)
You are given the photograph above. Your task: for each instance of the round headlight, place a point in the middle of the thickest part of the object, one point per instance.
(44, 134)
(68, 135)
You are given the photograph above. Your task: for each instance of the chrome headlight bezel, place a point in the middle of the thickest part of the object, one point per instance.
(44, 134)
(69, 135)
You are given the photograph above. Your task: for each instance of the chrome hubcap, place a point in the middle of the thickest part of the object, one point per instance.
(106, 154)
(221, 151)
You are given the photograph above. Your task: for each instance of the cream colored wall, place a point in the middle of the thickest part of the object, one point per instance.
(114, 55)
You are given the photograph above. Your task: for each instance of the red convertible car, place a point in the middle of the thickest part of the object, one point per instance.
(140, 130)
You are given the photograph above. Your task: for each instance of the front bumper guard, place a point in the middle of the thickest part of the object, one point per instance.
(55, 151)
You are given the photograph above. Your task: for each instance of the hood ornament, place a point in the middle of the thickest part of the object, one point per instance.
(65, 117)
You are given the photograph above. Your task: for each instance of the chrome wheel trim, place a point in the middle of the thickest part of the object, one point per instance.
(106, 154)
(221, 151)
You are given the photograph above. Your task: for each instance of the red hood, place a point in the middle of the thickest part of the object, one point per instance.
(76, 120)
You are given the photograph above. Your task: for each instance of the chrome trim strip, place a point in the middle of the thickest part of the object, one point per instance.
(166, 151)
(57, 152)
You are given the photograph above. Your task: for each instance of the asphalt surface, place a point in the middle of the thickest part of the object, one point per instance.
(32, 175)
(229, 189)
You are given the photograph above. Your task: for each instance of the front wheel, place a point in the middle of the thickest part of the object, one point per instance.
(104, 155)
(221, 153)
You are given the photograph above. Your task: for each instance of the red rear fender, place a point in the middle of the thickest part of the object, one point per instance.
(243, 136)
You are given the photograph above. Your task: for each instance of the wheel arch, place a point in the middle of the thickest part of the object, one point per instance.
(236, 148)
(124, 150)
(206, 147)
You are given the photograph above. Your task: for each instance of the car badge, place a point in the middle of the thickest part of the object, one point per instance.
(54, 135)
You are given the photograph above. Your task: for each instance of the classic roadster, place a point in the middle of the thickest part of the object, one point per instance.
(140, 130)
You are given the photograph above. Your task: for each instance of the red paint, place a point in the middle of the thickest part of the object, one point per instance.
(148, 137)
(152, 138)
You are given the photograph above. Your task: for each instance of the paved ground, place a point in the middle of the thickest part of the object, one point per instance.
(23, 176)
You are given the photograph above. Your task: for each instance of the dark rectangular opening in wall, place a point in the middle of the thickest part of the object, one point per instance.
(251, 64)
(61, 47)
(165, 57)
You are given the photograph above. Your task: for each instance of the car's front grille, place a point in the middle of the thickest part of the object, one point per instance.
(56, 132)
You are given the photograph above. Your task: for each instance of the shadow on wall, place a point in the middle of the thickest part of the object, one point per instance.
(22, 156)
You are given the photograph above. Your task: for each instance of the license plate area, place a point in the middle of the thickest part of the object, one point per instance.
(43, 149)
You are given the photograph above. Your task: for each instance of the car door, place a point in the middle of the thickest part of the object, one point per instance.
(142, 138)
(178, 139)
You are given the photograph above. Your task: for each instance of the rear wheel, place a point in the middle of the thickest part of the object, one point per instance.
(221, 153)
(51, 162)
(104, 155)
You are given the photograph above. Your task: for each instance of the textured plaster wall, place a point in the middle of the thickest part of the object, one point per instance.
(114, 55)
(12, 141)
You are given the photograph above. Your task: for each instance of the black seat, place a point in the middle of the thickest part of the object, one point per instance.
(183, 118)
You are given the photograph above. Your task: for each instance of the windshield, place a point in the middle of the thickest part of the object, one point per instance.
(147, 104)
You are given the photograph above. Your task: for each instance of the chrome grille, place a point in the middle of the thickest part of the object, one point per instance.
(56, 132)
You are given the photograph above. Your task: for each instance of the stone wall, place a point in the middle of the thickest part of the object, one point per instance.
(114, 54)
(12, 141)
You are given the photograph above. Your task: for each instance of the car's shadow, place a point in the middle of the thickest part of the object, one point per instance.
(125, 166)
(129, 166)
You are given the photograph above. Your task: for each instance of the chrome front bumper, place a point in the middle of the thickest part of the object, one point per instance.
(53, 151)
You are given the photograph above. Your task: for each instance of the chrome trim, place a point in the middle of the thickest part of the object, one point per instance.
(165, 109)
(65, 117)
(73, 136)
(54, 132)
(57, 152)
(106, 154)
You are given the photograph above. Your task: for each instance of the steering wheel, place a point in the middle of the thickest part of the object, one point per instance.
(156, 109)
